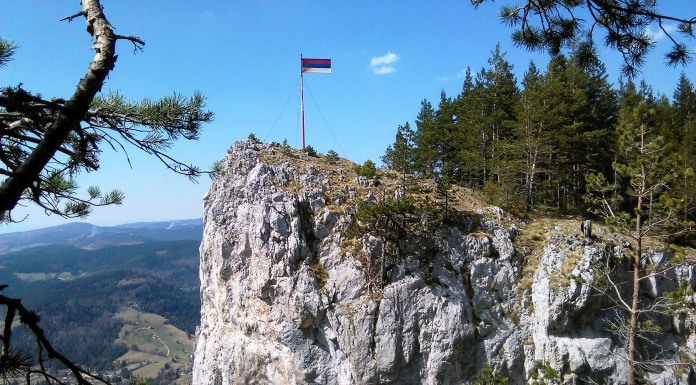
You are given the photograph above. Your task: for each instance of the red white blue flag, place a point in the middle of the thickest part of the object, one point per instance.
(320, 66)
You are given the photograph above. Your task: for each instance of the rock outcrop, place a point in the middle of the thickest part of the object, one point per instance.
(292, 295)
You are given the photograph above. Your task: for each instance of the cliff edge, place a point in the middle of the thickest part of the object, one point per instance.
(311, 274)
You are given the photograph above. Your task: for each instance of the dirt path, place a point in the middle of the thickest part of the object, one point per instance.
(165, 345)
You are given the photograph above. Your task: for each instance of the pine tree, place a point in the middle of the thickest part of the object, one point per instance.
(500, 96)
(532, 141)
(7, 50)
(681, 138)
(468, 84)
(446, 139)
(468, 109)
(647, 173)
(45, 143)
(368, 169)
(552, 25)
(487, 117)
(568, 114)
(602, 107)
(401, 155)
(424, 139)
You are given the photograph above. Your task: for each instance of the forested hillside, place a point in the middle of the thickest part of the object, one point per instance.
(176, 261)
(98, 306)
(535, 147)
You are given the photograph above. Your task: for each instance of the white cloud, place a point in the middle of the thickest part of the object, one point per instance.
(383, 70)
(382, 65)
(389, 58)
(659, 34)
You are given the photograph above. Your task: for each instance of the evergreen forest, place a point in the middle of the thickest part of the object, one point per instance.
(545, 143)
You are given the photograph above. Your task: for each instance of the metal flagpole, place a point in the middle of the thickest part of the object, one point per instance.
(302, 100)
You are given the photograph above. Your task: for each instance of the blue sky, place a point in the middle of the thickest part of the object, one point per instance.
(387, 56)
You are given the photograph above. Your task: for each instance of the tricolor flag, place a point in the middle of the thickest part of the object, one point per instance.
(319, 66)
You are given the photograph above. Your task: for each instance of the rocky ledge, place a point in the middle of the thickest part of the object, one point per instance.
(292, 293)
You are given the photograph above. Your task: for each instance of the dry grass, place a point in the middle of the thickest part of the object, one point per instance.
(533, 237)
(318, 271)
(531, 240)
(342, 175)
(351, 246)
(348, 311)
(538, 233)
(527, 277)
(563, 275)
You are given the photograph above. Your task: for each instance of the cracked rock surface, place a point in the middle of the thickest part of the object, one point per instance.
(286, 300)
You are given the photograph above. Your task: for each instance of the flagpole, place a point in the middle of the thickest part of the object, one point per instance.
(302, 100)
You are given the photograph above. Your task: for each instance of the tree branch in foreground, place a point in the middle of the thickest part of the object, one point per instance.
(14, 363)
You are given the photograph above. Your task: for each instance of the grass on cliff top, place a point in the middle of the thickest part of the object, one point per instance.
(342, 174)
(534, 235)
(536, 231)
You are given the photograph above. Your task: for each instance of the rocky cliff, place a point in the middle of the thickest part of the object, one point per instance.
(305, 281)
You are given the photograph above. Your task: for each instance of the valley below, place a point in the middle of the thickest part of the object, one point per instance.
(121, 302)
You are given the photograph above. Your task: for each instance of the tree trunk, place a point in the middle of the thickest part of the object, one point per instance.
(75, 109)
(642, 191)
(633, 322)
(530, 183)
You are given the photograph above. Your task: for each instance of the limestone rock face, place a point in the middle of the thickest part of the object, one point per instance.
(287, 297)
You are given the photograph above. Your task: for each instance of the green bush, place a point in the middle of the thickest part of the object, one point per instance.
(368, 169)
(331, 156)
(544, 374)
(285, 148)
(309, 150)
(488, 376)
(215, 170)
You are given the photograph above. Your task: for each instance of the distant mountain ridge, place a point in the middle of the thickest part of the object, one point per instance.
(89, 236)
